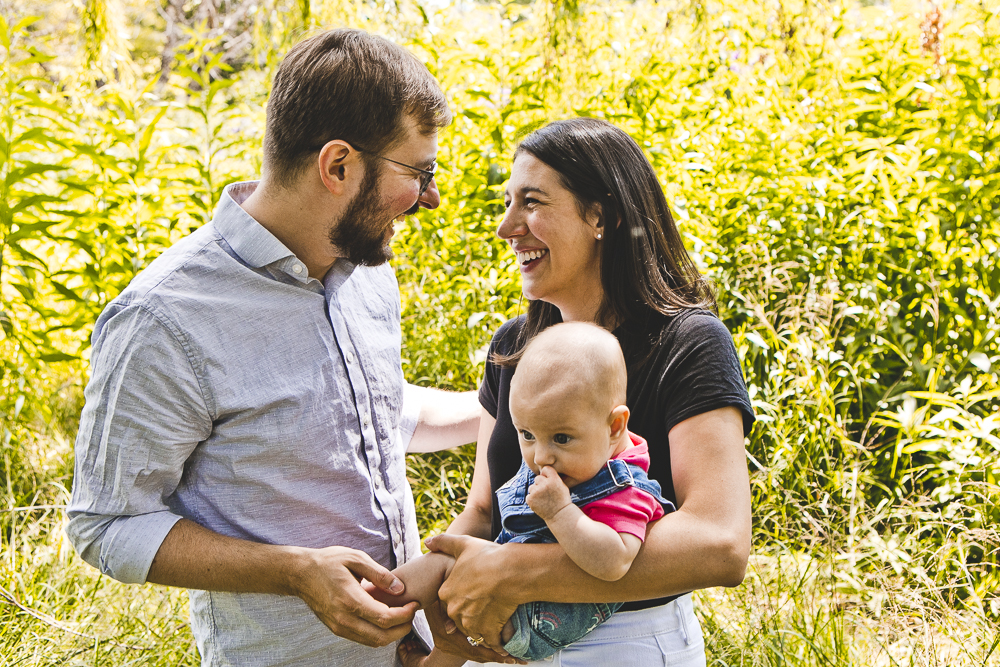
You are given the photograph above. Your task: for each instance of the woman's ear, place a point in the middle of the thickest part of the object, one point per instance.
(595, 218)
(619, 421)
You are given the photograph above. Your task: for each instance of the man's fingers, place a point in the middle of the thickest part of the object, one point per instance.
(363, 632)
(383, 616)
(364, 567)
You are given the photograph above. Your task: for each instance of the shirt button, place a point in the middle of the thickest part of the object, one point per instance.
(350, 357)
(378, 483)
(297, 269)
(365, 422)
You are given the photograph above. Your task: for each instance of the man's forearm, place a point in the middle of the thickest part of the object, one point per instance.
(194, 557)
(328, 580)
(447, 419)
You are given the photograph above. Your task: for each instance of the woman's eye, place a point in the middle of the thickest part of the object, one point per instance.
(527, 435)
(561, 438)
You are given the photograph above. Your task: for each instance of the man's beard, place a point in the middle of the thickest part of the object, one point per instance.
(361, 231)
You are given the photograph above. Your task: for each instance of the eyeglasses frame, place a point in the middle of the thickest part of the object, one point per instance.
(426, 175)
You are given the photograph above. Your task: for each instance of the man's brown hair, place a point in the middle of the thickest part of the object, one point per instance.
(349, 85)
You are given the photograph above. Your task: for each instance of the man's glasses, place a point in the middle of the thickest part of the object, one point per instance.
(426, 175)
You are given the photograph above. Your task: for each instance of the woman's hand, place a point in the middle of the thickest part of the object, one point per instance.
(448, 639)
(474, 594)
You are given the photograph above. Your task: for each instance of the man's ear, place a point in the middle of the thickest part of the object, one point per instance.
(619, 421)
(339, 163)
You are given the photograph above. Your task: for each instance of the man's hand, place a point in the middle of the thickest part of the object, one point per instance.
(472, 595)
(328, 580)
(548, 494)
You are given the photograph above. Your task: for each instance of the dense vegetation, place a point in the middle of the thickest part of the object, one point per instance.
(835, 168)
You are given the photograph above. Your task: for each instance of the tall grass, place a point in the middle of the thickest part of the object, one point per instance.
(834, 168)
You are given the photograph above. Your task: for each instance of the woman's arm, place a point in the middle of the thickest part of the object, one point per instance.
(705, 543)
(477, 516)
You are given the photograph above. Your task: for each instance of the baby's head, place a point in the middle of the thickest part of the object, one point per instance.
(567, 401)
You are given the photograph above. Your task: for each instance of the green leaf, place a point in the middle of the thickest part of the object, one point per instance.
(54, 357)
(30, 169)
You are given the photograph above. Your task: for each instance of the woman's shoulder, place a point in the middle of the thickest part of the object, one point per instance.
(686, 324)
(505, 338)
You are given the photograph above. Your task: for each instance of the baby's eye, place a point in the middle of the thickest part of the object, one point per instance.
(527, 435)
(561, 438)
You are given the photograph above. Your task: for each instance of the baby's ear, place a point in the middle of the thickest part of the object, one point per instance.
(619, 420)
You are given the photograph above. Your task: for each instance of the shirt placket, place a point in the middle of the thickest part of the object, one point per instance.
(353, 361)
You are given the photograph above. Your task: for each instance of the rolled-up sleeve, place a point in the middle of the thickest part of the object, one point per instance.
(413, 401)
(145, 413)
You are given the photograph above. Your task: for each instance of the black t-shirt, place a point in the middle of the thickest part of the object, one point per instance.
(678, 367)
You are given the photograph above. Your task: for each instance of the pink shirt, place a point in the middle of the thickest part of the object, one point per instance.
(628, 510)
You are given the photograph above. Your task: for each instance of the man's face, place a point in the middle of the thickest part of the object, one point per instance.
(387, 192)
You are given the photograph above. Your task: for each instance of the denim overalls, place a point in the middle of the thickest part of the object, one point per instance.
(543, 628)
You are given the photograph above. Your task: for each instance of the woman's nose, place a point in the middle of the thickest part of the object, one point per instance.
(511, 226)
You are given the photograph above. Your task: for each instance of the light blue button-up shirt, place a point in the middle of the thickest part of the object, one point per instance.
(230, 388)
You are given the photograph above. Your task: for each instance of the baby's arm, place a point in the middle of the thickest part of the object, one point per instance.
(596, 547)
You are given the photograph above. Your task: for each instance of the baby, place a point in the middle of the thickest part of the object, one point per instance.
(582, 482)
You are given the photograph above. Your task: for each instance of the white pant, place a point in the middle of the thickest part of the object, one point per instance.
(666, 635)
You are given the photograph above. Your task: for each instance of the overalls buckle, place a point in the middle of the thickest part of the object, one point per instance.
(631, 479)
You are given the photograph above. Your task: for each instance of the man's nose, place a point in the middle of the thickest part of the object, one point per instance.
(431, 197)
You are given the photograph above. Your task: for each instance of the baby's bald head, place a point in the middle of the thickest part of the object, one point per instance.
(575, 356)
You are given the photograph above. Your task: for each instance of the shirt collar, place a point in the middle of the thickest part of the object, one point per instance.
(248, 238)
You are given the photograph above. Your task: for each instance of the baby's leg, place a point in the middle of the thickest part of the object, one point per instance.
(422, 577)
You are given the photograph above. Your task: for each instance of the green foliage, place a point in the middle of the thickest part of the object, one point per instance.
(834, 171)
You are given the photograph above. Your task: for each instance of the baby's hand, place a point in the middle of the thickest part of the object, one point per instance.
(548, 493)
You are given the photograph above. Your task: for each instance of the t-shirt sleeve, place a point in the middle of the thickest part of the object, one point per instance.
(502, 343)
(627, 511)
(703, 372)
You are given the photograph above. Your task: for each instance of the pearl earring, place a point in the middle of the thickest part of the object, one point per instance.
(598, 237)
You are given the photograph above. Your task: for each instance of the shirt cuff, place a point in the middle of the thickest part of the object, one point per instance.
(412, 402)
(131, 543)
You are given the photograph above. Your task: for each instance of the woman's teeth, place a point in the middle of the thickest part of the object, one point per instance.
(525, 257)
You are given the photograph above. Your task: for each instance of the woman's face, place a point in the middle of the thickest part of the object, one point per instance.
(558, 252)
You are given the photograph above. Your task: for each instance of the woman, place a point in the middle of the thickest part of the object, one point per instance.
(595, 242)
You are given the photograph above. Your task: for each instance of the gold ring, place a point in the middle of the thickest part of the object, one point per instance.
(475, 642)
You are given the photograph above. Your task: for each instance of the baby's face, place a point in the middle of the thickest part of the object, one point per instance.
(561, 429)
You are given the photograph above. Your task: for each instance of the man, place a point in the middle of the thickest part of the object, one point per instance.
(244, 425)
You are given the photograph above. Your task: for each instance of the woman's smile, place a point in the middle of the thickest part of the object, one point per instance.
(528, 258)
